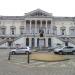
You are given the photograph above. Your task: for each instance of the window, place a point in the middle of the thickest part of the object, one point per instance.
(27, 41)
(22, 30)
(69, 47)
(32, 22)
(63, 30)
(54, 30)
(43, 22)
(3, 30)
(49, 42)
(41, 31)
(38, 42)
(12, 31)
(72, 31)
(27, 22)
(38, 21)
(33, 42)
(48, 22)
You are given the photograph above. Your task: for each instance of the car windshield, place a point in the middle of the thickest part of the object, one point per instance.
(58, 47)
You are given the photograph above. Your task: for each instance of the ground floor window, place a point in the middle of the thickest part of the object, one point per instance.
(33, 42)
(49, 42)
(66, 43)
(38, 42)
(27, 41)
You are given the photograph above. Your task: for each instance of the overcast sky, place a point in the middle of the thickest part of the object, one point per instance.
(19, 7)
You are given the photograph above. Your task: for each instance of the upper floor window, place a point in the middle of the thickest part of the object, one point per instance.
(12, 30)
(43, 22)
(38, 22)
(0, 22)
(22, 30)
(54, 30)
(72, 30)
(27, 21)
(63, 30)
(32, 22)
(3, 31)
(48, 22)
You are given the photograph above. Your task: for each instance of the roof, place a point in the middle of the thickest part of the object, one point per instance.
(38, 13)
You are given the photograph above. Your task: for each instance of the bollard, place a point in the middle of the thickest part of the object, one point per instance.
(28, 60)
(9, 56)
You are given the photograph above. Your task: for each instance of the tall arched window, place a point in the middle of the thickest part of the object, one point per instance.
(33, 42)
(54, 30)
(12, 30)
(63, 30)
(27, 41)
(72, 30)
(3, 30)
(38, 42)
(49, 42)
(21, 29)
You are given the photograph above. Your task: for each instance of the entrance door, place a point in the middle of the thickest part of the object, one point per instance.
(49, 42)
(41, 42)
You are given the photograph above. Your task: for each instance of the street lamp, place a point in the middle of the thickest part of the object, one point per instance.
(9, 40)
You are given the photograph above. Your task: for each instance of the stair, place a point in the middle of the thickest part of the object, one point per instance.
(18, 37)
(3, 41)
(65, 39)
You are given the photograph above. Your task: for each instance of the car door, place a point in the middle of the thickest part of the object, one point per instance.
(71, 49)
(65, 49)
(18, 50)
(68, 49)
(22, 50)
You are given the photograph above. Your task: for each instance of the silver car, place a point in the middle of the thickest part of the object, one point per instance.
(21, 50)
(64, 50)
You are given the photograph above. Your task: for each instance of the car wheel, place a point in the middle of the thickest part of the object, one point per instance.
(60, 52)
(55, 53)
(13, 53)
(73, 52)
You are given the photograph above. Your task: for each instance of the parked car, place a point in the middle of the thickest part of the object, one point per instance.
(21, 50)
(51, 48)
(64, 50)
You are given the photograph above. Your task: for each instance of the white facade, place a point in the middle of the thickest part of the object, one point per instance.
(37, 29)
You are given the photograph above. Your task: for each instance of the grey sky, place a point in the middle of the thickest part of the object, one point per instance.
(19, 7)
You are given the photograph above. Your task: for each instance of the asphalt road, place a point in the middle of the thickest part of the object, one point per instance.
(18, 66)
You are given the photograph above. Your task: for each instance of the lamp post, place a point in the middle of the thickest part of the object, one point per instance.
(9, 40)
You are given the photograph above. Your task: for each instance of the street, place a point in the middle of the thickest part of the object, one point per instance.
(18, 65)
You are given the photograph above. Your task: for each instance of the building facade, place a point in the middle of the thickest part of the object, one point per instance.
(37, 29)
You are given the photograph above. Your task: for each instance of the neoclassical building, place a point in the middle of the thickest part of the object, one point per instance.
(37, 29)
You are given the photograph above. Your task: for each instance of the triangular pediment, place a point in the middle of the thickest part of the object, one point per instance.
(38, 13)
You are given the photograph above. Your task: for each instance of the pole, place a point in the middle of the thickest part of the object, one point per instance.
(9, 56)
(28, 60)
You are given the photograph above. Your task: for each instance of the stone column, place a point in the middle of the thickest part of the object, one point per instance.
(46, 40)
(25, 27)
(25, 41)
(41, 23)
(52, 24)
(35, 26)
(30, 26)
(35, 42)
(30, 42)
(46, 26)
